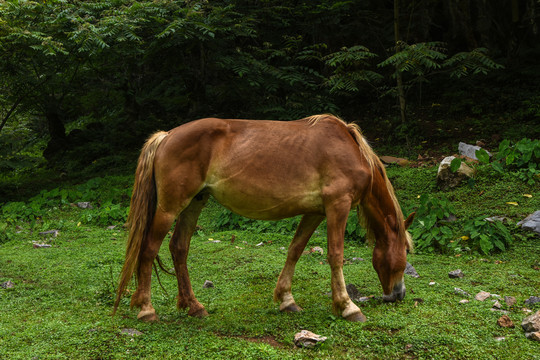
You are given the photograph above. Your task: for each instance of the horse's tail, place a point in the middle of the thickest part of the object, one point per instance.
(141, 212)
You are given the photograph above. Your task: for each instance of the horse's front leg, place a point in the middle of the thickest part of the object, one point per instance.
(341, 303)
(282, 292)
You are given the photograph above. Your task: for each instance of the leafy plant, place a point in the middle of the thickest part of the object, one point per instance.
(486, 236)
(523, 157)
(429, 231)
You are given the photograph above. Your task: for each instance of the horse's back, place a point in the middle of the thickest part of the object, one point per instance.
(264, 169)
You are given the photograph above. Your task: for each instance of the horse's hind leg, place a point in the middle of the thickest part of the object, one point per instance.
(179, 247)
(141, 298)
(282, 292)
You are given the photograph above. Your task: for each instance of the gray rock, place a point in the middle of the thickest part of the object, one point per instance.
(410, 270)
(308, 339)
(7, 285)
(531, 222)
(131, 332)
(469, 150)
(356, 259)
(532, 300)
(447, 179)
(459, 291)
(84, 205)
(456, 274)
(53, 233)
(532, 322)
(208, 284)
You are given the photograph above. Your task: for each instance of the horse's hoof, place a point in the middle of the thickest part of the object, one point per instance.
(356, 317)
(292, 308)
(148, 316)
(198, 313)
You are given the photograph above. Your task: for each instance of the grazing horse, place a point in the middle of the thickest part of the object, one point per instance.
(319, 166)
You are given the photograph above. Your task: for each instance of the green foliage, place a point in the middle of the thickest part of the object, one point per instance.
(416, 59)
(486, 236)
(5, 232)
(227, 220)
(521, 158)
(430, 233)
(473, 62)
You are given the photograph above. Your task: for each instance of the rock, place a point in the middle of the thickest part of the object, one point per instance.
(447, 179)
(482, 295)
(531, 222)
(260, 244)
(54, 233)
(502, 219)
(84, 205)
(394, 160)
(464, 301)
(510, 300)
(459, 291)
(456, 274)
(531, 326)
(317, 249)
(497, 304)
(356, 259)
(505, 321)
(308, 339)
(214, 241)
(533, 335)
(431, 283)
(532, 300)
(7, 285)
(364, 298)
(208, 284)
(131, 332)
(469, 150)
(112, 227)
(410, 270)
(38, 245)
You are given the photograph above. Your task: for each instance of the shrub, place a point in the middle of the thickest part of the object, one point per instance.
(485, 236)
(429, 230)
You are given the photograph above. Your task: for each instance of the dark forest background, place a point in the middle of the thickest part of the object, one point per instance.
(83, 83)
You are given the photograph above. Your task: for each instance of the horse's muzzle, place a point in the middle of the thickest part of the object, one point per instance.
(398, 293)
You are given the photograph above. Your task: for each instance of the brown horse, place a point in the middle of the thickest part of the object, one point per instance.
(320, 167)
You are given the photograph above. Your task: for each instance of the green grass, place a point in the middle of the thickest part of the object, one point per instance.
(62, 300)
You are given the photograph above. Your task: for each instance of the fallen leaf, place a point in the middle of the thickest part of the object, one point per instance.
(513, 203)
(527, 195)
(464, 237)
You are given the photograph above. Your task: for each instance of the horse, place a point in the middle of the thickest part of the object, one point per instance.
(319, 167)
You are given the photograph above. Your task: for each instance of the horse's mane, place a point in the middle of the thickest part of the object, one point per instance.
(375, 165)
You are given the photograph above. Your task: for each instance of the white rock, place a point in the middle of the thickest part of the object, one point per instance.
(469, 150)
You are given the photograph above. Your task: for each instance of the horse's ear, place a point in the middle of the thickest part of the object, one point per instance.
(409, 220)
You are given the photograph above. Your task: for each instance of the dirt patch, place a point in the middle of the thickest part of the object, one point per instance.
(270, 340)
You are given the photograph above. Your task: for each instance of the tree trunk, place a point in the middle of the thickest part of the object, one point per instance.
(400, 89)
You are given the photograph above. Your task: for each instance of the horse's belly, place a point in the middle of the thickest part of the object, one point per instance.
(254, 200)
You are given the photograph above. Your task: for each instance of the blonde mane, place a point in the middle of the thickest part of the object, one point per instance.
(375, 165)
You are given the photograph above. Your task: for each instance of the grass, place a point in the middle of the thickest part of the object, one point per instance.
(62, 299)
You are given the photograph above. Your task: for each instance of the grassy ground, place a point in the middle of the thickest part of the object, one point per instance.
(62, 297)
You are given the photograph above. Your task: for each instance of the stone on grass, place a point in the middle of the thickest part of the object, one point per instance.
(464, 301)
(510, 300)
(53, 233)
(497, 304)
(459, 291)
(531, 326)
(456, 274)
(482, 295)
(532, 300)
(447, 179)
(317, 249)
(84, 205)
(531, 222)
(7, 285)
(469, 150)
(208, 284)
(131, 332)
(308, 339)
(505, 321)
(410, 270)
(39, 245)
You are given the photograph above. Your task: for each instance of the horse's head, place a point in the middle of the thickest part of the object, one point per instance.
(390, 260)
